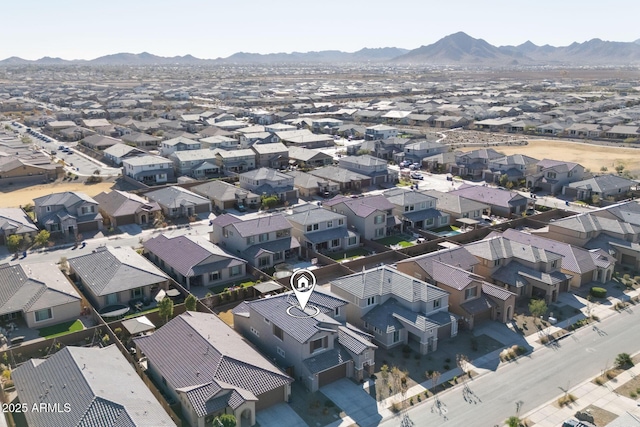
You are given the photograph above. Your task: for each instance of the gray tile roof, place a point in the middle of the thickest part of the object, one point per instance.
(313, 214)
(109, 270)
(588, 222)
(198, 348)
(272, 246)
(67, 199)
(306, 180)
(30, 287)
(392, 316)
(457, 257)
(268, 174)
(353, 341)
(496, 291)
(388, 281)
(603, 183)
(263, 224)
(478, 305)
(364, 160)
(271, 148)
(454, 277)
(119, 203)
(176, 197)
(191, 255)
(498, 247)
(626, 212)
(223, 191)
(326, 360)
(15, 220)
(99, 385)
(306, 154)
(516, 274)
(489, 195)
(449, 202)
(336, 174)
(362, 206)
(402, 196)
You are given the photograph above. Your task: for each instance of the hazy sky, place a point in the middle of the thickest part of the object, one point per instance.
(74, 29)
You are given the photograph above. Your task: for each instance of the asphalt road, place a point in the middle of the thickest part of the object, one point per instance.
(533, 380)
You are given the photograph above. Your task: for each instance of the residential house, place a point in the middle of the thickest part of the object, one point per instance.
(440, 163)
(149, 170)
(199, 164)
(15, 221)
(600, 187)
(515, 168)
(623, 132)
(274, 155)
(454, 207)
(451, 269)
(99, 142)
(380, 132)
(304, 138)
(37, 293)
(317, 349)
(396, 308)
(219, 142)
(346, 180)
(415, 209)
(112, 277)
(121, 208)
(177, 202)
(473, 163)
(501, 202)
(526, 270)
(205, 366)
(86, 386)
(226, 196)
(552, 175)
(586, 130)
(247, 140)
(309, 185)
(263, 242)
(371, 216)
(140, 139)
(170, 146)
(373, 167)
(417, 151)
(269, 182)
(194, 261)
(450, 122)
(69, 213)
(118, 152)
(308, 158)
(320, 229)
(583, 265)
(17, 170)
(236, 161)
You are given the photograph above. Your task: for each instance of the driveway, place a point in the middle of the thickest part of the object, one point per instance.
(278, 416)
(354, 401)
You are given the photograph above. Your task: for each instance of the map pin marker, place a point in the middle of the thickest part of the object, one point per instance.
(302, 282)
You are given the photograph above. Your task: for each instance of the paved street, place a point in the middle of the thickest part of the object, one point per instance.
(534, 379)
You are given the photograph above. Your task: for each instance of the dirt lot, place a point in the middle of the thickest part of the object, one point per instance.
(588, 155)
(12, 197)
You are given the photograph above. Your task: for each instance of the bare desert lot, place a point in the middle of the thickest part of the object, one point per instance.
(10, 198)
(588, 155)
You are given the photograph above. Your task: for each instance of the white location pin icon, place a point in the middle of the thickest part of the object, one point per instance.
(302, 282)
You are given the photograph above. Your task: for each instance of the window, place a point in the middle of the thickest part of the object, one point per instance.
(264, 237)
(353, 240)
(335, 243)
(137, 293)
(496, 263)
(371, 301)
(551, 175)
(112, 298)
(470, 293)
(280, 352)
(336, 312)
(277, 256)
(255, 332)
(366, 325)
(264, 261)
(377, 331)
(235, 270)
(554, 263)
(340, 221)
(396, 336)
(283, 233)
(214, 276)
(379, 219)
(429, 221)
(315, 226)
(278, 333)
(309, 227)
(329, 224)
(251, 240)
(436, 303)
(42, 315)
(379, 232)
(318, 344)
(465, 215)
(48, 208)
(267, 321)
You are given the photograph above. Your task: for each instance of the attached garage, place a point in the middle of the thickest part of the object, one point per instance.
(88, 226)
(331, 375)
(628, 260)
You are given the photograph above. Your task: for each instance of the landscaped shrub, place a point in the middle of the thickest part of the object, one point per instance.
(598, 292)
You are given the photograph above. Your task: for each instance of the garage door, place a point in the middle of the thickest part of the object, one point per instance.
(628, 259)
(87, 226)
(331, 375)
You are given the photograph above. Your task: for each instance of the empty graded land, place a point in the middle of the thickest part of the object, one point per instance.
(22, 196)
(590, 156)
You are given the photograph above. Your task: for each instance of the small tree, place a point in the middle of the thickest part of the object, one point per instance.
(624, 361)
(619, 168)
(42, 237)
(190, 302)
(604, 169)
(225, 420)
(165, 308)
(13, 242)
(513, 421)
(537, 307)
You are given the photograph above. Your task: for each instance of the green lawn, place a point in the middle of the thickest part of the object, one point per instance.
(350, 254)
(140, 313)
(61, 329)
(395, 240)
(242, 284)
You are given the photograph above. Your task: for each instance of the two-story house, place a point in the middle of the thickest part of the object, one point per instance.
(274, 155)
(263, 241)
(177, 202)
(526, 270)
(552, 175)
(454, 207)
(415, 209)
(345, 179)
(602, 187)
(417, 151)
(149, 169)
(515, 167)
(371, 216)
(373, 167)
(180, 143)
(194, 261)
(308, 157)
(320, 229)
(310, 185)
(236, 160)
(199, 163)
(397, 308)
(219, 142)
(226, 196)
(68, 213)
(470, 296)
(317, 349)
(501, 202)
(473, 163)
(265, 181)
(380, 132)
(118, 152)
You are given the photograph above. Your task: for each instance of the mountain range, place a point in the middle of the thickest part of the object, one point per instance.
(454, 49)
